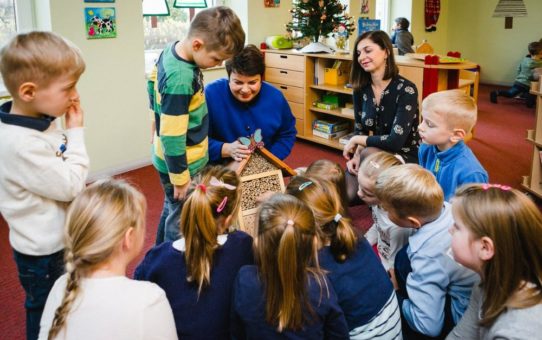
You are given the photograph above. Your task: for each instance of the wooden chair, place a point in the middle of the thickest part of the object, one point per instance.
(469, 81)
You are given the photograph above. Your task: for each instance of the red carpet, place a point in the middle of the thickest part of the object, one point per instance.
(499, 143)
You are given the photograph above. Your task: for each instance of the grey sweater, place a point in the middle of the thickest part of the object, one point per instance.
(515, 324)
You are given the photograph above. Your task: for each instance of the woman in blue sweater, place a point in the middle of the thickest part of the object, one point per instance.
(243, 103)
(197, 271)
(363, 288)
(286, 295)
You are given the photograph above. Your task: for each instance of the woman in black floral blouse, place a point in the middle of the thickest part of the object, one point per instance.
(385, 106)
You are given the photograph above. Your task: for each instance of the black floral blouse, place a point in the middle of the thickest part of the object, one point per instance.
(394, 122)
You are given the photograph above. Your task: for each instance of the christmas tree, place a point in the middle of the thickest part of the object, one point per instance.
(319, 18)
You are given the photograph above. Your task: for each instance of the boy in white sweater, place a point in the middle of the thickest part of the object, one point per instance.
(43, 167)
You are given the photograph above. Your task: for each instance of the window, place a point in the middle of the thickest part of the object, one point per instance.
(382, 12)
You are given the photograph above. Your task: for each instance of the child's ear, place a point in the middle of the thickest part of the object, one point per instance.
(415, 222)
(27, 91)
(487, 249)
(458, 135)
(129, 239)
(197, 44)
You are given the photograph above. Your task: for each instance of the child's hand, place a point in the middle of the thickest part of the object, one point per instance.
(74, 115)
(393, 279)
(179, 191)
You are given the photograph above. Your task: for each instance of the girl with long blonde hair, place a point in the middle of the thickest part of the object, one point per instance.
(363, 288)
(198, 270)
(497, 232)
(285, 294)
(105, 230)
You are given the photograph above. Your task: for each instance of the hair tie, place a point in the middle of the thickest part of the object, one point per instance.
(304, 185)
(337, 218)
(400, 158)
(290, 223)
(215, 182)
(375, 164)
(202, 187)
(222, 204)
(498, 186)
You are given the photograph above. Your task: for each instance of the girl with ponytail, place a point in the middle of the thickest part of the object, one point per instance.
(105, 230)
(364, 290)
(198, 270)
(286, 295)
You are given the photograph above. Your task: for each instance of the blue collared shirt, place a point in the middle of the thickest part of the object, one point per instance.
(434, 275)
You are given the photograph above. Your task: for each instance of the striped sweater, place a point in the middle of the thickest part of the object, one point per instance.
(177, 99)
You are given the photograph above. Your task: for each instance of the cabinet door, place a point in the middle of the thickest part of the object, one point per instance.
(285, 61)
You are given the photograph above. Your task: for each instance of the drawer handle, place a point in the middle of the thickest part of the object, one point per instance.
(284, 87)
(284, 56)
(284, 72)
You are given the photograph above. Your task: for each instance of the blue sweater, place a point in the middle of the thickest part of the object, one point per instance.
(453, 167)
(208, 316)
(248, 311)
(230, 119)
(361, 283)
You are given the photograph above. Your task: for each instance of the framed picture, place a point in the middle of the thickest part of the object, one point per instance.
(271, 3)
(99, 0)
(100, 22)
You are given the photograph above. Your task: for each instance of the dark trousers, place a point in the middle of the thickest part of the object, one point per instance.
(402, 269)
(37, 275)
(169, 228)
(519, 89)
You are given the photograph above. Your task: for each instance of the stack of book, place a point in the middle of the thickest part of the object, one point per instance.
(330, 129)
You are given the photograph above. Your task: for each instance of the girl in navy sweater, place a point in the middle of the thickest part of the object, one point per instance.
(285, 295)
(364, 290)
(197, 271)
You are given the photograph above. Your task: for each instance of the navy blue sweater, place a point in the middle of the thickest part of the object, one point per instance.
(362, 285)
(208, 316)
(230, 119)
(248, 311)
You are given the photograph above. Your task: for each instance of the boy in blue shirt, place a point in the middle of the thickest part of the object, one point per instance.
(433, 290)
(448, 117)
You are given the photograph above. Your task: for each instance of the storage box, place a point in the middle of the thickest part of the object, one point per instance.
(330, 126)
(329, 136)
(335, 76)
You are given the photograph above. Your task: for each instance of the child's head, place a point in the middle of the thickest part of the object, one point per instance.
(534, 48)
(369, 170)
(402, 23)
(330, 171)
(34, 62)
(216, 34)
(286, 251)
(448, 116)
(334, 227)
(498, 233)
(410, 194)
(105, 221)
(212, 203)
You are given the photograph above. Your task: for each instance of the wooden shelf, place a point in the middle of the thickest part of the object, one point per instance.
(536, 93)
(333, 88)
(335, 112)
(333, 143)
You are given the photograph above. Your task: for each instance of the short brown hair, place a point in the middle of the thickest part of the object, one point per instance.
(514, 224)
(249, 62)
(220, 28)
(457, 107)
(329, 171)
(38, 57)
(358, 76)
(410, 190)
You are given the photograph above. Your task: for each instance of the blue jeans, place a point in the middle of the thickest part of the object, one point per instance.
(169, 228)
(37, 275)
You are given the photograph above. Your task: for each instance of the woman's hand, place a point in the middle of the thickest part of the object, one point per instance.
(353, 164)
(235, 150)
(353, 143)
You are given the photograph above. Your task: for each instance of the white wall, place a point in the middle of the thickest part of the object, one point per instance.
(399, 8)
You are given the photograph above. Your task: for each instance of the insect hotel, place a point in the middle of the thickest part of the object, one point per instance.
(260, 172)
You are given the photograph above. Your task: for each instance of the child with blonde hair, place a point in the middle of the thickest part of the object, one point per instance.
(433, 289)
(330, 171)
(197, 271)
(43, 167)
(105, 230)
(498, 233)
(286, 294)
(448, 117)
(388, 237)
(363, 288)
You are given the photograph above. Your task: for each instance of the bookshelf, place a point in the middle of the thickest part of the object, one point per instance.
(533, 182)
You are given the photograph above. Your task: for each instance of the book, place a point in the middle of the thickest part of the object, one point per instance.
(329, 136)
(325, 106)
(328, 126)
(347, 111)
(344, 139)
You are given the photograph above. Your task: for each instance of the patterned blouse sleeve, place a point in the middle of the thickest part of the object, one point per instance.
(359, 128)
(406, 111)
